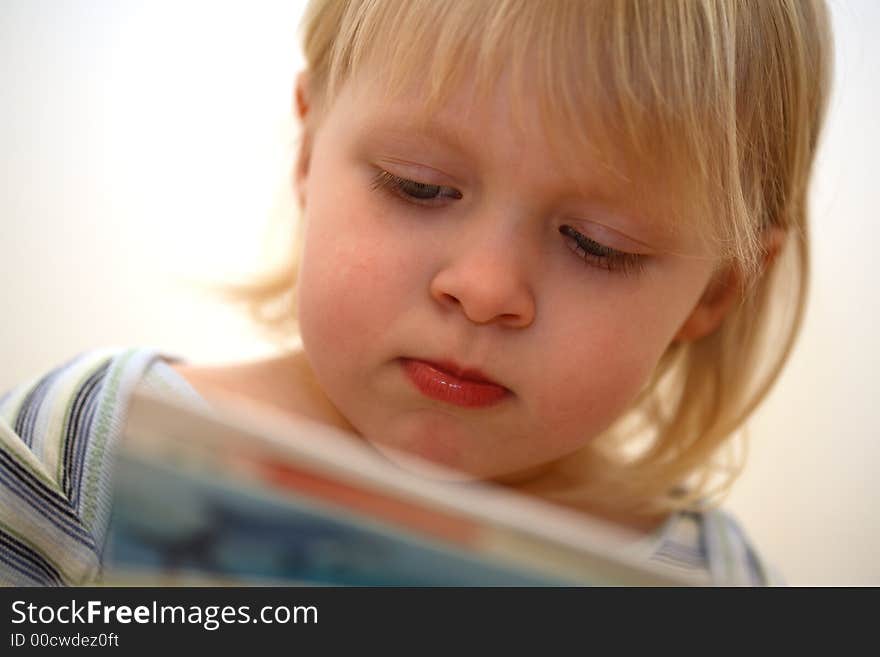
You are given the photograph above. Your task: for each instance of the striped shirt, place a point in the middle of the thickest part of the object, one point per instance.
(58, 434)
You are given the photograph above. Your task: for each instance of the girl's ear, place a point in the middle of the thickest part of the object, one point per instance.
(302, 106)
(717, 300)
(723, 291)
(301, 95)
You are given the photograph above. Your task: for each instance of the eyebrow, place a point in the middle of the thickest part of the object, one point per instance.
(433, 129)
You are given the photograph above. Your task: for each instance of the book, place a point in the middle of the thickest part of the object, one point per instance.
(236, 494)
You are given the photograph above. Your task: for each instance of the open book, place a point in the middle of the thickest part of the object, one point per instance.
(241, 495)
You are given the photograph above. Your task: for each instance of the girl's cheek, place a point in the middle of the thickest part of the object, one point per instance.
(596, 377)
(351, 288)
(331, 302)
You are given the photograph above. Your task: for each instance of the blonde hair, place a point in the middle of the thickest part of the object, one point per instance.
(724, 98)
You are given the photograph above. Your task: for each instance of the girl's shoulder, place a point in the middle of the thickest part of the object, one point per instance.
(58, 431)
(711, 546)
(98, 378)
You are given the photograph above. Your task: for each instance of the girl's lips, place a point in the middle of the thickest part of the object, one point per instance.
(439, 384)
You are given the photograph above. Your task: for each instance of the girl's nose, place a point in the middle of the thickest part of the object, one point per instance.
(488, 283)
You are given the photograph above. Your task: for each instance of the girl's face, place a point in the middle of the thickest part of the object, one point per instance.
(452, 242)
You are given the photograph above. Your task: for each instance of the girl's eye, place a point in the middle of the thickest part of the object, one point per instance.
(597, 255)
(413, 191)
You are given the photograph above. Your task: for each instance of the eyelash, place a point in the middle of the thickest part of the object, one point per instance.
(590, 251)
(602, 256)
(400, 186)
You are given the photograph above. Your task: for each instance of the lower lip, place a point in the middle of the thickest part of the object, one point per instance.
(447, 387)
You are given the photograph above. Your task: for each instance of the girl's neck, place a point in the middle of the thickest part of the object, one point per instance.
(284, 383)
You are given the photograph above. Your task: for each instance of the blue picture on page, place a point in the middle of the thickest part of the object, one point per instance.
(168, 520)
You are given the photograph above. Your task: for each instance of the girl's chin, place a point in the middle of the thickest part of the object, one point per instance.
(422, 465)
(437, 470)
(428, 466)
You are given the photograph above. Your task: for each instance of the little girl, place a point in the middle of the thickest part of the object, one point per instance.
(557, 245)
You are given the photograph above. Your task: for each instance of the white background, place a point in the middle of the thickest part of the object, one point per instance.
(142, 147)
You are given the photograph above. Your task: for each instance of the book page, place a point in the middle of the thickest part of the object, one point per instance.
(241, 494)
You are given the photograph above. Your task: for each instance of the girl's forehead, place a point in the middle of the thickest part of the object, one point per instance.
(498, 128)
(473, 120)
